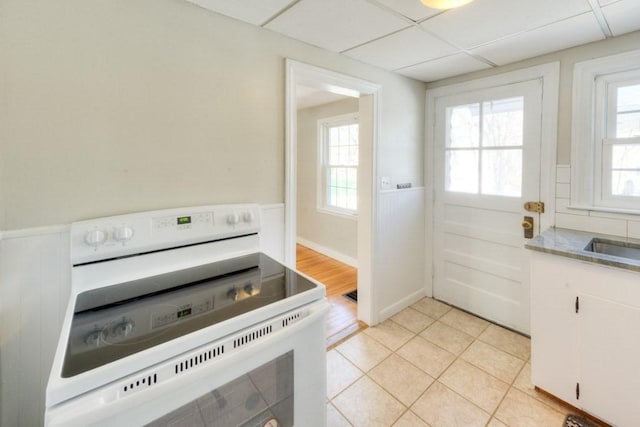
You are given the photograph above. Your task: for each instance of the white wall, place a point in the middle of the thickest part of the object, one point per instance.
(115, 106)
(330, 234)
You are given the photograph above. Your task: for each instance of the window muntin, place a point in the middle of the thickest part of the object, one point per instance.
(483, 149)
(339, 164)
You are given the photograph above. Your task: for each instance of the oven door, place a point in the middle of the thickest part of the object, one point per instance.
(275, 380)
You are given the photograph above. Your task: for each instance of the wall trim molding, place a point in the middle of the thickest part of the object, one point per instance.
(369, 94)
(272, 206)
(33, 231)
(402, 190)
(402, 304)
(331, 253)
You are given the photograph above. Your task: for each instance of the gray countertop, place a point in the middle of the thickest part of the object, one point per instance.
(572, 244)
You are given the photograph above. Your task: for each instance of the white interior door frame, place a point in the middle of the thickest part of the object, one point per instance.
(298, 73)
(549, 74)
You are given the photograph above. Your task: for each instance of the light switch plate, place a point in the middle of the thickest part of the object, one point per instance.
(385, 182)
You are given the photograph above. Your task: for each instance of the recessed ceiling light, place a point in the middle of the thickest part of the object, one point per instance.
(444, 4)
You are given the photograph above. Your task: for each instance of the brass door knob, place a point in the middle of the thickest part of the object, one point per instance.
(527, 225)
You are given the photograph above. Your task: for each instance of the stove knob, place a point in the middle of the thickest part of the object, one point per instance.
(247, 217)
(233, 219)
(92, 339)
(95, 238)
(233, 294)
(123, 329)
(123, 233)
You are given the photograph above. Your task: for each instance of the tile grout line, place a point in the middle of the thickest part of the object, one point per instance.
(493, 414)
(458, 356)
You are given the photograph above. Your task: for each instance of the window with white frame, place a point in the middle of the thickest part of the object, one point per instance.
(618, 139)
(338, 164)
(606, 134)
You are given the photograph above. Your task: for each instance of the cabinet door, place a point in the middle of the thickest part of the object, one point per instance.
(609, 358)
(553, 325)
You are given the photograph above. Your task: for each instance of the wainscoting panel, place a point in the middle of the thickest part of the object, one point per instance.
(34, 292)
(400, 250)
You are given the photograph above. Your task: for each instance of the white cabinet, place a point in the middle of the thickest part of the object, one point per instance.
(585, 336)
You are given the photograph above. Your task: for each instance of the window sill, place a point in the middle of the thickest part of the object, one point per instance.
(341, 214)
(605, 209)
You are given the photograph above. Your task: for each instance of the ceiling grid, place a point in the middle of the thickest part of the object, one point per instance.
(406, 37)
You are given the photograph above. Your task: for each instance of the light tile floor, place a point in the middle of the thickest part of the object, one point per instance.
(434, 365)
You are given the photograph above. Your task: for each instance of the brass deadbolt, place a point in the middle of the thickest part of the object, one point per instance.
(527, 227)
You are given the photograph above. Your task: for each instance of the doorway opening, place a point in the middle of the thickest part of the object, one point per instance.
(327, 205)
(329, 195)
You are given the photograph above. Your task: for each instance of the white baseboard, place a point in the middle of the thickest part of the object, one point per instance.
(328, 252)
(401, 305)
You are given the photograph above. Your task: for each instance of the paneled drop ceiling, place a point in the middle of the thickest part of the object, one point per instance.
(427, 44)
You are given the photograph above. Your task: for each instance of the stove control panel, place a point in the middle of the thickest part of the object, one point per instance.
(122, 235)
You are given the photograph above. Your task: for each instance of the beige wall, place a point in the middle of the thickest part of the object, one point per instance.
(330, 231)
(567, 59)
(113, 106)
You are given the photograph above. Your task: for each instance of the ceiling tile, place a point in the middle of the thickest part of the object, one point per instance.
(604, 2)
(336, 24)
(441, 68)
(256, 12)
(412, 9)
(483, 21)
(401, 49)
(623, 16)
(561, 35)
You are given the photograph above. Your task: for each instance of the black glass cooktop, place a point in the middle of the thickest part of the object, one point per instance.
(117, 321)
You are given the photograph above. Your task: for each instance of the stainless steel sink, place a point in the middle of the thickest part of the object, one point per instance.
(614, 248)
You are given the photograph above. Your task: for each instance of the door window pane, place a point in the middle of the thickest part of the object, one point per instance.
(502, 122)
(502, 172)
(461, 171)
(464, 126)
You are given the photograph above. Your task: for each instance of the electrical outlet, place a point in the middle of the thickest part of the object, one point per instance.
(385, 182)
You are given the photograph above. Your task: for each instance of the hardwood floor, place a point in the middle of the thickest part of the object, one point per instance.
(339, 279)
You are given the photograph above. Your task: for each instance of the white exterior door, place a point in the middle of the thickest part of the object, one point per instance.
(486, 166)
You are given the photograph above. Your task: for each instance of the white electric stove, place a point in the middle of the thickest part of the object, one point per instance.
(176, 318)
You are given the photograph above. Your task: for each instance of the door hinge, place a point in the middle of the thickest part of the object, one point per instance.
(577, 304)
(577, 391)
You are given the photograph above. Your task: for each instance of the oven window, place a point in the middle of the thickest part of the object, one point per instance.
(262, 397)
